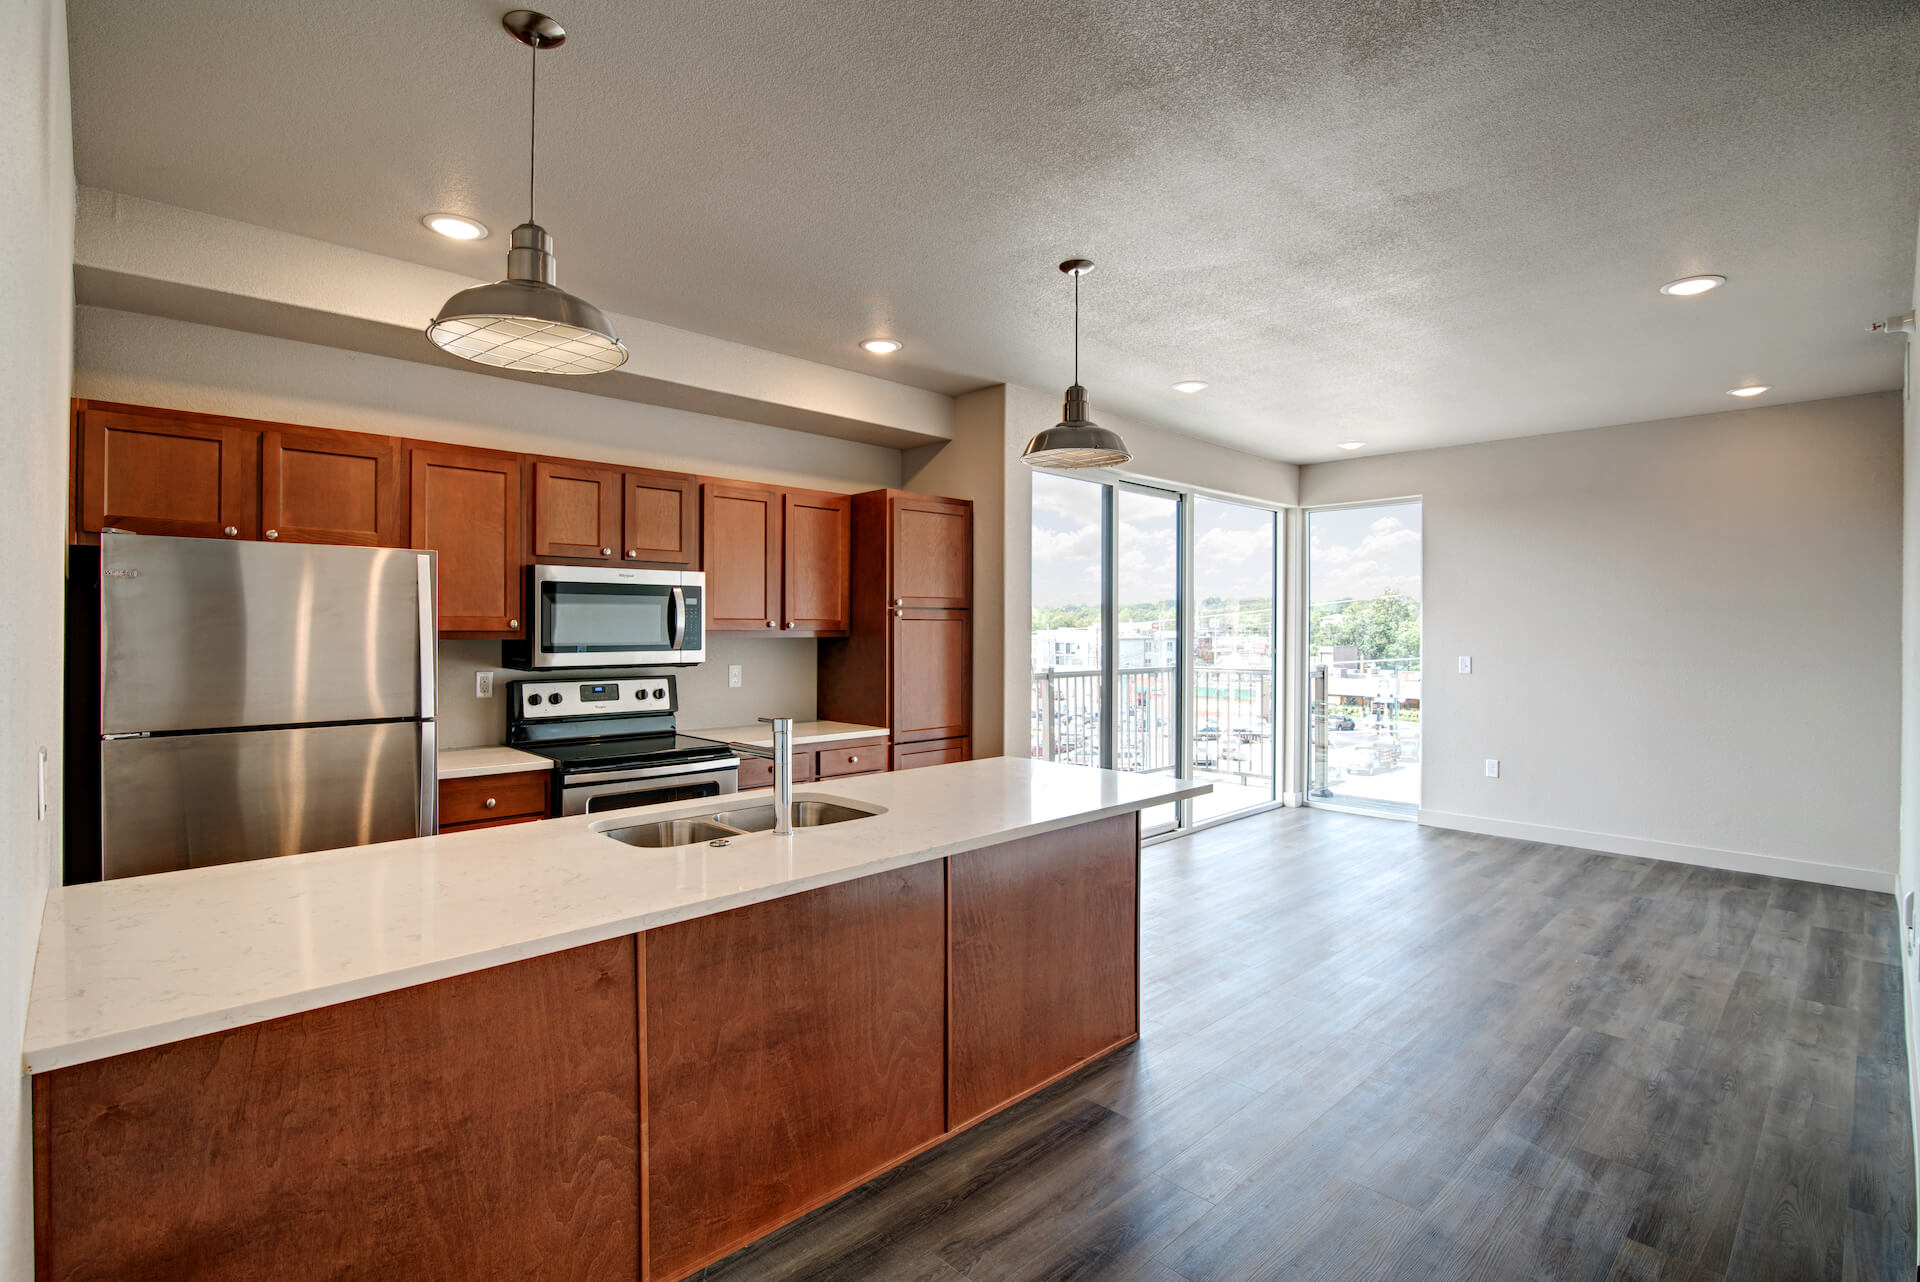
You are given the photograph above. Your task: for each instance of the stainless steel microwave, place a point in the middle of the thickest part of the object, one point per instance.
(608, 617)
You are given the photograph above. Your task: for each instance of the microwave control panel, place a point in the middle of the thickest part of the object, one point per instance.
(546, 699)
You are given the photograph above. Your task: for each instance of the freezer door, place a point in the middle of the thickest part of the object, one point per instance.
(200, 634)
(186, 801)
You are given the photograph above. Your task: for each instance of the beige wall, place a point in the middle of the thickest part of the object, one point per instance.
(36, 308)
(1683, 634)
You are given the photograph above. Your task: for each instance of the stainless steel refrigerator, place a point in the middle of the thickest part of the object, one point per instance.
(260, 699)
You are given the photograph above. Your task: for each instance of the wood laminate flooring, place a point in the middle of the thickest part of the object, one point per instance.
(1373, 1050)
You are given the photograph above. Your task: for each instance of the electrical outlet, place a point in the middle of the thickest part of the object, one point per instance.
(483, 685)
(1493, 767)
(1466, 665)
(733, 676)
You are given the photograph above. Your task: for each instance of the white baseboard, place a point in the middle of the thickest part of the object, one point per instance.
(1672, 852)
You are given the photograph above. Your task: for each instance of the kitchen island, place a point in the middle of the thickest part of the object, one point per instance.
(538, 1051)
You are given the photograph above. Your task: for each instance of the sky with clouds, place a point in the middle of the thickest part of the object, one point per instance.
(1233, 545)
(1362, 551)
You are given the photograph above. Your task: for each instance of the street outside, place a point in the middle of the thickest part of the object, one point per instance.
(1372, 766)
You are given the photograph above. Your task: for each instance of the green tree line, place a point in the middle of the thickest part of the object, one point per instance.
(1387, 627)
(1253, 615)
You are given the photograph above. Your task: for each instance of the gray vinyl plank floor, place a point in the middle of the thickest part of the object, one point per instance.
(1371, 1050)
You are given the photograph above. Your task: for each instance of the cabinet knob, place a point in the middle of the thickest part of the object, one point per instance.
(513, 623)
(900, 600)
(231, 531)
(632, 555)
(606, 551)
(491, 803)
(769, 622)
(853, 761)
(789, 625)
(273, 534)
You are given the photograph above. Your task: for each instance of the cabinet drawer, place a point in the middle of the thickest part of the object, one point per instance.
(446, 829)
(937, 752)
(491, 798)
(757, 772)
(852, 759)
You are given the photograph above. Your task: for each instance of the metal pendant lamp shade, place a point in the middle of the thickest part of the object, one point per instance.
(527, 322)
(1076, 441)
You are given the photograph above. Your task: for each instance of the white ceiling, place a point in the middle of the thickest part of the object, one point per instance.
(1409, 224)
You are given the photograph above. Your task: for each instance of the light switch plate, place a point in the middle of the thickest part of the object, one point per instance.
(733, 676)
(1466, 665)
(1493, 767)
(483, 685)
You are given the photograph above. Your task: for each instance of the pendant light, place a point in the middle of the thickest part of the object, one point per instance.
(1076, 440)
(527, 322)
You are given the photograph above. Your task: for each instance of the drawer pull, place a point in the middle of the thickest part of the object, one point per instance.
(491, 803)
(853, 761)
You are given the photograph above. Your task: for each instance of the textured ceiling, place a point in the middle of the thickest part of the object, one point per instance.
(1409, 224)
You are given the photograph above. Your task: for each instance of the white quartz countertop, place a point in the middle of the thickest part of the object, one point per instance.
(470, 763)
(143, 961)
(804, 733)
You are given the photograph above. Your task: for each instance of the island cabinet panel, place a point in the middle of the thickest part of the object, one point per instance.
(167, 474)
(662, 518)
(483, 1126)
(1044, 960)
(576, 511)
(740, 541)
(466, 507)
(332, 487)
(794, 1049)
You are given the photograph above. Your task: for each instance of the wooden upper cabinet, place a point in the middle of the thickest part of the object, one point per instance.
(932, 546)
(662, 525)
(466, 507)
(740, 544)
(576, 511)
(165, 474)
(818, 531)
(932, 665)
(331, 487)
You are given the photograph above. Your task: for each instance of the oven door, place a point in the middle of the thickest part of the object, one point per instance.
(593, 792)
(597, 618)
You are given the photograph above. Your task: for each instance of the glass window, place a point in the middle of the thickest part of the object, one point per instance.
(1069, 621)
(1147, 662)
(1234, 704)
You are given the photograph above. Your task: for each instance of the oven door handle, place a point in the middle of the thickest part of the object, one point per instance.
(640, 774)
(677, 619)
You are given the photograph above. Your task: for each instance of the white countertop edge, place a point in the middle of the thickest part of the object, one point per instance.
(475, 763)
(762, 736)
(48, 1057)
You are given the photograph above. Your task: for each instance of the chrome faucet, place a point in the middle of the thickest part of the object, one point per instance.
(782, 755)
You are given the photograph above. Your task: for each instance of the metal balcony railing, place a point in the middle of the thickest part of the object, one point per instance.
(1233, 721)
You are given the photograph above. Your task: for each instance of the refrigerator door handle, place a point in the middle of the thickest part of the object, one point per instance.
(677, 627)
(429, 633)
(429, 782)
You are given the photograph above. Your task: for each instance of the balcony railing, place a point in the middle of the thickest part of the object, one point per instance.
(1233, 720)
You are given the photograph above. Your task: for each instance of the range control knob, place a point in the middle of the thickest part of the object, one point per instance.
(553, 698)
(640, 694)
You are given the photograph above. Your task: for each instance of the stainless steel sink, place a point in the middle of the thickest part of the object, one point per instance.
(736, 821)
(807, 813)
(670, 832)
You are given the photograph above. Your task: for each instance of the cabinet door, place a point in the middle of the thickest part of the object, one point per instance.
(740, 548)
(662, 519)
(154, 474)
(1043, 960)
(818, 533)
(932, 657)
(932, 542)
(576, 511)
(931, 752)
(794, 1049)
(330, 487)
(466, 507)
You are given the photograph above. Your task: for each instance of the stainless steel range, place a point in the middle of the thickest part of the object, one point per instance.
(615, 744)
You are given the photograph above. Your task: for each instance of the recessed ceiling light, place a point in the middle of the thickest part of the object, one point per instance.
(1688, 286)
(454, 227)
(1748, 391)
(1190, 386)
(882, 346)
(1353, 445)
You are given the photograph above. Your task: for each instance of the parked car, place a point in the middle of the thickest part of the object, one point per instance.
(1336, 722)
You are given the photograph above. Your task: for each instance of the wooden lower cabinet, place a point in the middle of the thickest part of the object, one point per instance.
(932, 752)
(1045, 959)
(631, 1109)
(488, 801)
(794, 1049)
(484, 1126)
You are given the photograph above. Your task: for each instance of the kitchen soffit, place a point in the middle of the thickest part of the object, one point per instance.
(1411, 229)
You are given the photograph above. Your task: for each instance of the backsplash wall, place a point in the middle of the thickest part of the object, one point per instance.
(777, 679)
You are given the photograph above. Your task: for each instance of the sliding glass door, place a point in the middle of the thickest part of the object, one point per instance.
(1154, 640)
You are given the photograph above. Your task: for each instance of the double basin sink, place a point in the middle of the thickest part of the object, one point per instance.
(736, 821)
